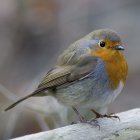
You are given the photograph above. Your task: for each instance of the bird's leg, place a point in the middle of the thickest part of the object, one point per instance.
(98, 115)
(81, 118)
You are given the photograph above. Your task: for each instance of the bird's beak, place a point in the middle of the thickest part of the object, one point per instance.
(119, 47)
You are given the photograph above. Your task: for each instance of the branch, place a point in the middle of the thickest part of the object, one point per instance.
(128, 128)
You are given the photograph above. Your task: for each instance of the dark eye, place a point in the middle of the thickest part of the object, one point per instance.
(102, 44)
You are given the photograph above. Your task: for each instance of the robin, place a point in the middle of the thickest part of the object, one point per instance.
(89, 74)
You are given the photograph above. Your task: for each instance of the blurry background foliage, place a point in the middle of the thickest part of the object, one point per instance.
(34, 32)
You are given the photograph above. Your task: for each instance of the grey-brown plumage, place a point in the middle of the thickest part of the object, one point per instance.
(80, 78)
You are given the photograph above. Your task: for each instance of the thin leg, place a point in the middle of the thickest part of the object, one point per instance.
(96, 113)
(81, 118)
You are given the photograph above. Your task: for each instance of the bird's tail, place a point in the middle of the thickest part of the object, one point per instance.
(35, 93)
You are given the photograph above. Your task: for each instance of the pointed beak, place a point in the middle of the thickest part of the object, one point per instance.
(119, 48)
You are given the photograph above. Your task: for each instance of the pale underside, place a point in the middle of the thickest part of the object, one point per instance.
(83, 95)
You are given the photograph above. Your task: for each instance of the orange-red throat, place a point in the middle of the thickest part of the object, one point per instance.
(115, 63)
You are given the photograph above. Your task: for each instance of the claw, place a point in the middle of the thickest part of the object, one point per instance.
(94, 122)
(83, 120)
(107, 116)
(111, 115)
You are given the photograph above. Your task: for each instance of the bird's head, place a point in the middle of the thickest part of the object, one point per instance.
(108, 43)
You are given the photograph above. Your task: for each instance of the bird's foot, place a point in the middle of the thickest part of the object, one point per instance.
(111, 115)
(108, 116)
(92, 122)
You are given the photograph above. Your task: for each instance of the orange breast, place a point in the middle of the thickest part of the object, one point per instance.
(116, 65)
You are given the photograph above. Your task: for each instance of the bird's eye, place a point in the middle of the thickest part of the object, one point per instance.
(102, 44)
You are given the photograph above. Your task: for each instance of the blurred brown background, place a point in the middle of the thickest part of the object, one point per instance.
(34, 32)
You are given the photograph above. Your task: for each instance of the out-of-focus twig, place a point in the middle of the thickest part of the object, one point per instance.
(7, 93)
(10, 125)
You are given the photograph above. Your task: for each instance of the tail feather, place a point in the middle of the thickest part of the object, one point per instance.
(26, 97)
(17, 102)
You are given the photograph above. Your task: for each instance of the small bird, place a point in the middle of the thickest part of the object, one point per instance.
(89, 74)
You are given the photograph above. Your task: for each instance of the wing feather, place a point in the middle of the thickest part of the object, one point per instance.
(74, 64)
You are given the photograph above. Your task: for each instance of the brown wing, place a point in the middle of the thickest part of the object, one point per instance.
(55, 77)
(67, 74)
